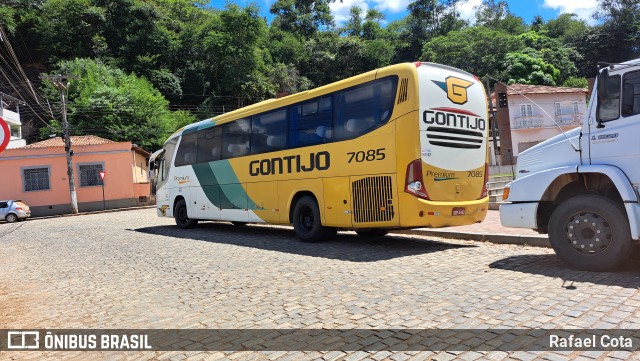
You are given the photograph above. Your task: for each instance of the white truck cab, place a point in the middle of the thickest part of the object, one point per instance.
(581, 187)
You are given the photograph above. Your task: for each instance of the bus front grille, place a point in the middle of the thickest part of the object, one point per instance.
(372, 199)
(455, 138)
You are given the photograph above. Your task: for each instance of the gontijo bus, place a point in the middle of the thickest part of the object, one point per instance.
(399, 147)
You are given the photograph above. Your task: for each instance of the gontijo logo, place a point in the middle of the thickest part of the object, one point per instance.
(455, 88)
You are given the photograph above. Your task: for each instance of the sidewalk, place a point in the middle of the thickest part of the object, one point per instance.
(490, 230)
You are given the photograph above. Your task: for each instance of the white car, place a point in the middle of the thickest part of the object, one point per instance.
(12, 211)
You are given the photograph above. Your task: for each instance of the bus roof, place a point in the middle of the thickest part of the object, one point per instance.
(291, 99)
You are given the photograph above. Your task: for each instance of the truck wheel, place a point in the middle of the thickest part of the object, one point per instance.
(182, 217)
(590, 233)
(306, 221)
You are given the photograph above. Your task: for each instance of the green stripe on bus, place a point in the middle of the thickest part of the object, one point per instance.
(221, 186)
(199, 127)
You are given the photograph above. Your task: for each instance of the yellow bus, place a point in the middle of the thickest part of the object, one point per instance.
(403, 146)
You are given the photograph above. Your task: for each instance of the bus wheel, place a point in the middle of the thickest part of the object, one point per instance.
(590, 233)
(182, 217)
(371, 233)
(306, 221)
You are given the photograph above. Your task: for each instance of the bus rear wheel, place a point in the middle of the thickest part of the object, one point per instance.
(182, 217)
(590, 233)
(307, 223)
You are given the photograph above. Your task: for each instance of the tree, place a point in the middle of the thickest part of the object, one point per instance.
(302, 17)
(551, 51)
(354, 24)
(478, 50)
(523, 68)
(70, 28)
(496, 15)
(428, 19)
(107, 102)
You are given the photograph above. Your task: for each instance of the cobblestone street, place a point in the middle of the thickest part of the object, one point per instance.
(134, 270)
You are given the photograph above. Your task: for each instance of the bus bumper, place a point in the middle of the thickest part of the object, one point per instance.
(432, 214)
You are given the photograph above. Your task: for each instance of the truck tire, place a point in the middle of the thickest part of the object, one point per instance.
(181, 216)
(307, 222)
(590, 233)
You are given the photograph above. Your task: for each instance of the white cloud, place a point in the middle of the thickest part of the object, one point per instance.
(583, 8)
(340, 9)
(393, 6)
(467, 11)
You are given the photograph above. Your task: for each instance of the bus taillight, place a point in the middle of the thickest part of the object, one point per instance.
(414, 183)
(486, 179)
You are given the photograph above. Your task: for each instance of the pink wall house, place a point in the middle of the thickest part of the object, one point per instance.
(37, 175)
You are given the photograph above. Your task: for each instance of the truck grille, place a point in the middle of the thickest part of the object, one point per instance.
(372, 199)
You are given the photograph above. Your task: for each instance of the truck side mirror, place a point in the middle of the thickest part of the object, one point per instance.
(602, 84)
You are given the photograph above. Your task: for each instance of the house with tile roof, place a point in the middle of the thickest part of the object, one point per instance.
(37, 175)
(537, 113)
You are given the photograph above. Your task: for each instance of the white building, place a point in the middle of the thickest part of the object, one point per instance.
(10, 112)
(537, 113)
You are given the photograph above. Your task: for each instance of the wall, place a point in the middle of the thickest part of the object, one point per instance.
(118, 184)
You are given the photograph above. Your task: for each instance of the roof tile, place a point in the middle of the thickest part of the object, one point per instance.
(75, 140)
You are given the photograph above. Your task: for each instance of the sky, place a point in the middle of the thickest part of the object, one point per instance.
(397, 9)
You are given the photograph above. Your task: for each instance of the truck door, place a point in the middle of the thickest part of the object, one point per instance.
(617, 140)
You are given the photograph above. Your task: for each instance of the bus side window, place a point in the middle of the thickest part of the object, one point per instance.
(364, 108)
(209, 144)
(311, 122)
(187, 150)
(269, 132)
(236, 137)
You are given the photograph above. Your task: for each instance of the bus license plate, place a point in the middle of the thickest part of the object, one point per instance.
(458, 211)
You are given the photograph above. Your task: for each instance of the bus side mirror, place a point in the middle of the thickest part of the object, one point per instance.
(152, 165)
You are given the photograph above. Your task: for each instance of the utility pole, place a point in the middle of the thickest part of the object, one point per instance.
(62, 82)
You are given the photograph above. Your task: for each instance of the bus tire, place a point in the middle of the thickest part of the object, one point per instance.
(307, 223)
(590, 233)
(371, 232)
(182, 217)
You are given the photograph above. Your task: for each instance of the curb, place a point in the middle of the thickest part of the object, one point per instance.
(534, 241)
(113, 210)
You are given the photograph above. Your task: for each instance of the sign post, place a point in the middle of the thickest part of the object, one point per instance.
(5, 135)
(104, 205)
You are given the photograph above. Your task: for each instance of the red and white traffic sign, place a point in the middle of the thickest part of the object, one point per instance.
(5, 134)
(102, 174)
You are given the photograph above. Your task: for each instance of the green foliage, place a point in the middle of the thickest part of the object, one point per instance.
(479, 50)
(137, 55)
(525, 69)
(574, 82)
(124, 107)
